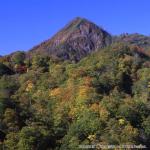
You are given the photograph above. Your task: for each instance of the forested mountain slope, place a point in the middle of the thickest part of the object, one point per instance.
(58, 104)
(50, 103)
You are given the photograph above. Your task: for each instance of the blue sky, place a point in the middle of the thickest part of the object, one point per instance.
(26, 23)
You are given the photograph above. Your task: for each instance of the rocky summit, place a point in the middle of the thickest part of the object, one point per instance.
(77, 39)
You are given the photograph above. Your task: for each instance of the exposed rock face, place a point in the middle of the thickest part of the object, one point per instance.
(77, 39)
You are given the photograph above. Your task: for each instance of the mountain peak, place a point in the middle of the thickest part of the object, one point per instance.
(77, 39)
(78, 20)
(75, 23)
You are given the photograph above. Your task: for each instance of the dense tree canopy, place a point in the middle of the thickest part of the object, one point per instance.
(57, 104)
(18, 57)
